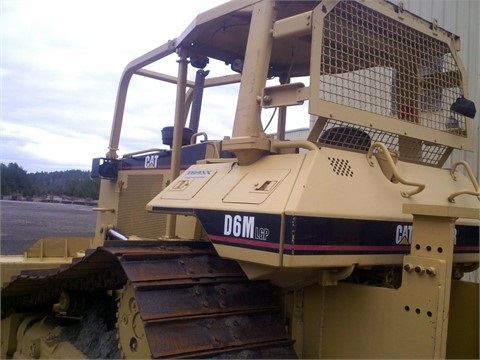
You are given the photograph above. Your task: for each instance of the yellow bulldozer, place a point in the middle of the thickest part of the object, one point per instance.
(350, 242)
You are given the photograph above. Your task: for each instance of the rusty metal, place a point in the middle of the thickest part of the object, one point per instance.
(183, 300)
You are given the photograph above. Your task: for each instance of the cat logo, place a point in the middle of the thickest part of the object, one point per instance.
(151, 161)
(403, 235)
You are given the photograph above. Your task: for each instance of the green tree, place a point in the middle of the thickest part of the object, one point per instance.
(72, 183)
(14, 180)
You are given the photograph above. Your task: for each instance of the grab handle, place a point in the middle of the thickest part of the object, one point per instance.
(393, 169)
(476, 193)
(193, 139)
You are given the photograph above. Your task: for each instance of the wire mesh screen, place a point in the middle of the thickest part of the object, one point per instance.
(344, 135)
(373, 63)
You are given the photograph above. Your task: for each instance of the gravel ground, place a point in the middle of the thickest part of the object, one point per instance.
(23, 223)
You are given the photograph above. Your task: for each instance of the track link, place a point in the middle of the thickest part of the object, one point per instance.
(179, 299)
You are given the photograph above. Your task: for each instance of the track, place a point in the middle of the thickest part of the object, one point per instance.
(179, 299)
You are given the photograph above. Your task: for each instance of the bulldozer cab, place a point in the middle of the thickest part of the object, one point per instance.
(360, 74)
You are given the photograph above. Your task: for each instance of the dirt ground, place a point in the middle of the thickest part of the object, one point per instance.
(24, 222)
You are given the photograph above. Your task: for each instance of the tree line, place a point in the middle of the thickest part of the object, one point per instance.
(71, 183)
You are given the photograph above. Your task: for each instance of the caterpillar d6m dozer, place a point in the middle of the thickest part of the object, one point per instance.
(348, 243)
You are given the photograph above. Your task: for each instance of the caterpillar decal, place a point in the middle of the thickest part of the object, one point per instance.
(306, 235)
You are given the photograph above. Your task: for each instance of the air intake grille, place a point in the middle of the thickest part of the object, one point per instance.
(341, 167)
(133, 218)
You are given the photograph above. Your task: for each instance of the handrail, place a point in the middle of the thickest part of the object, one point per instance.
(193, 139)
(144, 152)
(476, 193)
(303, 144)
(393, 168)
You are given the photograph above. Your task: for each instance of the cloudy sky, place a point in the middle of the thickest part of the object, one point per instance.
(60, 66)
